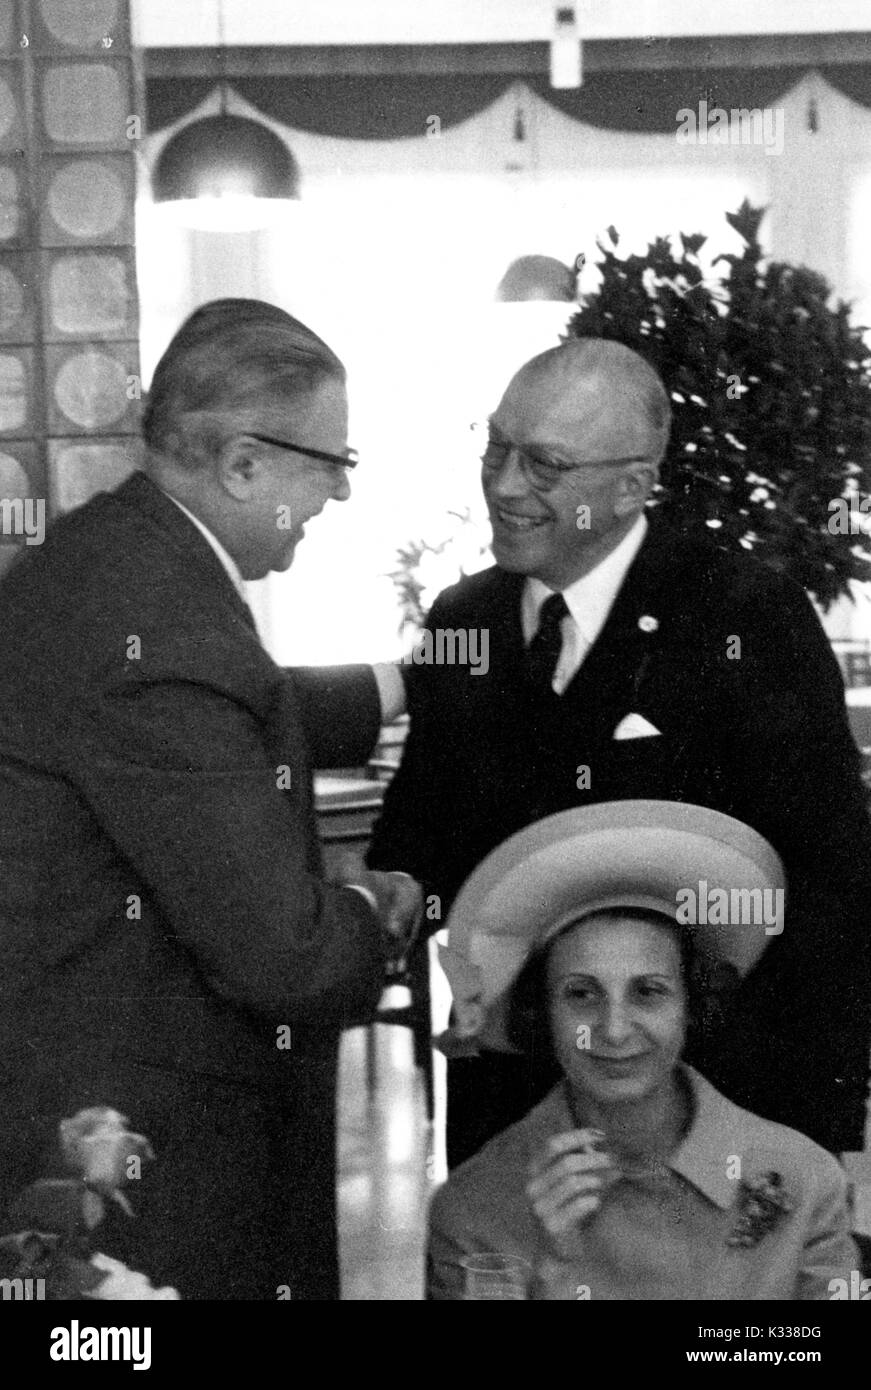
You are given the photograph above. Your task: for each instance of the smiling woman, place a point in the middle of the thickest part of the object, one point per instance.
(633, 1178)
(549, 998)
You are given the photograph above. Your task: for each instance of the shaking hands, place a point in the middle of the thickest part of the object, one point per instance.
(398, 901)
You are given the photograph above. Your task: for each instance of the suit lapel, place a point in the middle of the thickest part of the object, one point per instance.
(613, 673)
(506, 629)
(146, 498)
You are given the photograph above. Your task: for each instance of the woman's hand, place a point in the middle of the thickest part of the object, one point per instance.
(566, 1185)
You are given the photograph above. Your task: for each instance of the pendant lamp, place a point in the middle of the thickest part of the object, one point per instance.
(225, 172)
(540, 278)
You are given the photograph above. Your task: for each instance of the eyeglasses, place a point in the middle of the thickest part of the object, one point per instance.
(541, 473)
(348, 460)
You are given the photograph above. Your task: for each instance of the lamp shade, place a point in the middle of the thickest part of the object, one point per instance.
(537, 277)
(225, 156)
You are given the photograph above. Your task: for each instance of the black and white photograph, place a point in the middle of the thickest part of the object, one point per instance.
(435, 666)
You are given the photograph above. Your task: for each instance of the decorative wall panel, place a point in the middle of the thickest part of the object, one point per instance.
(69, 358)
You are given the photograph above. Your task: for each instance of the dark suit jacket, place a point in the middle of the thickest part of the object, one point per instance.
(162, 909)
(762, 737)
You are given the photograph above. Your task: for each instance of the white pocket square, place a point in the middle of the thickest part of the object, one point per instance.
(636, 726)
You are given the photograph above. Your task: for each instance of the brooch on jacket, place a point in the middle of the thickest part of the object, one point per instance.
(762, 1202)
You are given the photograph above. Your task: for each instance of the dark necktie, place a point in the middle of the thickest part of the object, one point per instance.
(544, 650)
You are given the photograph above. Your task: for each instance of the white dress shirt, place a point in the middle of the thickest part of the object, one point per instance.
(589, 601)
(226, 560)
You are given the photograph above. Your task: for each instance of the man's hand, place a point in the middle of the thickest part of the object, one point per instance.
(566, 1185)
(400, 907)
(399, 904)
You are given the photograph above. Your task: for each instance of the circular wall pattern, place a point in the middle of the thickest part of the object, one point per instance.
(12, 300)
(91, 390)
(9, 208)
(83, 104)
(86, 199)
(88, 294)
(81, 24)
(14, 482)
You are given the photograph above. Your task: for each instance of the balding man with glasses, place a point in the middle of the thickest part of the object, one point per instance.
(170, 946)
(629, 660)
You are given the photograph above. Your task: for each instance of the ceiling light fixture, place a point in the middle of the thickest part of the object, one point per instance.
(225, 172)
(541, 278)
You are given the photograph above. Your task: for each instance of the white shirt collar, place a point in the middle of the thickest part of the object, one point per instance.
(590, 598)
(226, 560)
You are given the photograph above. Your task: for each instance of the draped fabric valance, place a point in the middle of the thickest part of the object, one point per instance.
(399, 107)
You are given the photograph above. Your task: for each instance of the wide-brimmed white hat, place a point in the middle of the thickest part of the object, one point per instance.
(703, 869)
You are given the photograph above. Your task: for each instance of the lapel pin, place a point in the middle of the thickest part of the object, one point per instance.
(648, 624)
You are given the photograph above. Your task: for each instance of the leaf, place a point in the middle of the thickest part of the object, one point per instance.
(746, 221)
(802, 416)
(693, 243)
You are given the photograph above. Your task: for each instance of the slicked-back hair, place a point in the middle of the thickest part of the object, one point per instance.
(228, 360)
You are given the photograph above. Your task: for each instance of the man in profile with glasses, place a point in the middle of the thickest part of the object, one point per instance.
(630, 660)
(170, 946)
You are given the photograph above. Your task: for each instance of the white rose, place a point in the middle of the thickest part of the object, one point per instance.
(97, 1145)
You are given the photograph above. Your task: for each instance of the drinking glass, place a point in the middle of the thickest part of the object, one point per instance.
(492, 1276)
